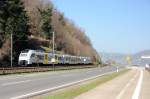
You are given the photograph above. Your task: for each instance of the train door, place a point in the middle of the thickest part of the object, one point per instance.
(46, 58)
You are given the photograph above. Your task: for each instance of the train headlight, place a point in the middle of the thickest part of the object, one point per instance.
(53, 60)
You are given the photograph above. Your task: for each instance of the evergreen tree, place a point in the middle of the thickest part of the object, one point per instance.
(2, 21)
(46, 22)
(13, 20)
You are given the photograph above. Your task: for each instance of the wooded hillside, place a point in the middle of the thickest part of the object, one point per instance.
(42, 19)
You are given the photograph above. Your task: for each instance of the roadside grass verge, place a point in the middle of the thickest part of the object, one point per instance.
(73, 91)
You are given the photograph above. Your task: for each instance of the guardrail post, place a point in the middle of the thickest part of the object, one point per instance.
(117, 69)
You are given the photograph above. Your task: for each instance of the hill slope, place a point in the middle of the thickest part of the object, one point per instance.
(120, 58)
(69, 38)
(116, 57)
(137, 57)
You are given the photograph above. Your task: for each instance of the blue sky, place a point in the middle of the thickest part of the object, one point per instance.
(121, 26)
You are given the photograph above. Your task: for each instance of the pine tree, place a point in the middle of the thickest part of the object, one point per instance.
(2, 21)
(46, 22)
(13, 20)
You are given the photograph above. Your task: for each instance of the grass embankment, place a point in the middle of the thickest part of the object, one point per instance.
(72, 92)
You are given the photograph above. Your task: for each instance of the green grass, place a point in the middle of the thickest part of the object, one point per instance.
(72, 92)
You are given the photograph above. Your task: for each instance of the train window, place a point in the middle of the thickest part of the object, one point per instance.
(68, 59)
(40, 57)
(59, 58)
(33, 55)
(56, 57)
(23, 55)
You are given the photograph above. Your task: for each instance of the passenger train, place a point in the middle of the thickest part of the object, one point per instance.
(30, 57)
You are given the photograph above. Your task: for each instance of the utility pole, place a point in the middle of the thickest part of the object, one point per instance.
(53, 43)
(54, 50)
(11, 50)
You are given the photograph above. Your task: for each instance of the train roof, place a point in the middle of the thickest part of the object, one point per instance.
(50, 52)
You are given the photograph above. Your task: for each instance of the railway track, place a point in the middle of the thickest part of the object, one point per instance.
(15, 70)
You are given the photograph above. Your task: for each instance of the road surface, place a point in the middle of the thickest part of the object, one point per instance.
(15, 86)
(145, 90)
(132, 85)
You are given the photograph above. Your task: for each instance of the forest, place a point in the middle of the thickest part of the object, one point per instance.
(31, 23)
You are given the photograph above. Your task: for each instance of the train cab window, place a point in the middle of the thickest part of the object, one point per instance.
(33, 55)
(25, 51)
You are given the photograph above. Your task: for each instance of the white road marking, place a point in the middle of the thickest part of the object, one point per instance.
(57, 87)
(13, 83)
(126, 87)
(138, 87)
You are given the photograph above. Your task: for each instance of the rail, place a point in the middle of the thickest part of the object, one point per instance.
(16, 70)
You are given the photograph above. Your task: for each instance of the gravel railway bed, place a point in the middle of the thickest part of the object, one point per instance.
(15, 70)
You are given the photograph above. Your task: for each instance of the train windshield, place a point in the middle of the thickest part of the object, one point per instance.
(25, 51)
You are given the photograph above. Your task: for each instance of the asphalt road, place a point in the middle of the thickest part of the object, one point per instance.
(18, 85)
(145, 90)
(131, 85)
(121, 87)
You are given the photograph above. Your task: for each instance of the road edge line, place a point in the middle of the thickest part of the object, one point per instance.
(138, 86)
(60, 87)
(126, 86)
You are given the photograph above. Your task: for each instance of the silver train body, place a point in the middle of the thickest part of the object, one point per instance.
(29, 57)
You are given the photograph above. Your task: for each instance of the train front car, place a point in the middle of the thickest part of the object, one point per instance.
(24, 57)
